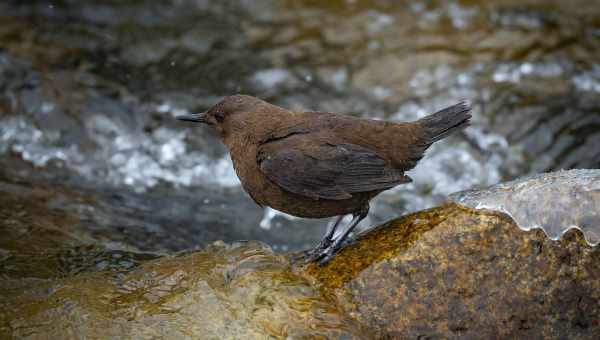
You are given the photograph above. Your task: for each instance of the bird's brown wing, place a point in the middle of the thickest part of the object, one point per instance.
(323, 169)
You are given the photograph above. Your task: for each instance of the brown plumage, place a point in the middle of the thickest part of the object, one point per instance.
(313, 164)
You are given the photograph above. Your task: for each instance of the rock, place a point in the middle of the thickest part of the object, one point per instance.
(453, 272)
(243, 291)
(447, 272)
(57, 283)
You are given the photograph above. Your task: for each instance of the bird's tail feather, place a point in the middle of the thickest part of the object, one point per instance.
(446, 121)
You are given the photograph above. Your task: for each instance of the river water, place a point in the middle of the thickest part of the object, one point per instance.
(89, 91)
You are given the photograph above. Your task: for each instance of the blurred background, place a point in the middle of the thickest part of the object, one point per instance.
(89, 91)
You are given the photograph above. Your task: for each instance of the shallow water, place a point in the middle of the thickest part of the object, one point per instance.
(89, 92)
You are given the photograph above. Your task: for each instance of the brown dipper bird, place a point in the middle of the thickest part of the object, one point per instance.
(314, 164)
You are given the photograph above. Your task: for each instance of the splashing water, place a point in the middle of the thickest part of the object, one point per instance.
(125, 157)
(554, 202)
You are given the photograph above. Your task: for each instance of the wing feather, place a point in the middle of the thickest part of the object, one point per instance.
(320, 169)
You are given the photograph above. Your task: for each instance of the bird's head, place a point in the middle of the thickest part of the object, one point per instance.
(232, 115)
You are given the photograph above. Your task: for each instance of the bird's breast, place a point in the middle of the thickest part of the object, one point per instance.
(246, 167)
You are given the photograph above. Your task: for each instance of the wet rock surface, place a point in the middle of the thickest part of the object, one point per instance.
(456, 273)
(447, 272)
(62, 281)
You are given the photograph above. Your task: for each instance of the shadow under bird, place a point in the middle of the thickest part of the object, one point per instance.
(315, 164)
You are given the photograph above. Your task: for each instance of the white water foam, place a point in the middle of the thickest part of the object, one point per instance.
(123, 156)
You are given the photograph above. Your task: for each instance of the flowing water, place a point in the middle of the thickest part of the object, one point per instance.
(89, 91)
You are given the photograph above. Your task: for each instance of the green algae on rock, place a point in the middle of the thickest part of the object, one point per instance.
(463, 273)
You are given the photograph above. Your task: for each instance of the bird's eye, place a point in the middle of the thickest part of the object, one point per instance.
(220, 116)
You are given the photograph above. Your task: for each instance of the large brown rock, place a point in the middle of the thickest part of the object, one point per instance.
(454, 272)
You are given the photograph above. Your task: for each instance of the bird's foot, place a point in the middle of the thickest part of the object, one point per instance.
(328, 247)
(321, 254)
(314, 254)
(327, 256)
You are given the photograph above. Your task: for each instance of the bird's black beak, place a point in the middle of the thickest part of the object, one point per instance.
(195, 117)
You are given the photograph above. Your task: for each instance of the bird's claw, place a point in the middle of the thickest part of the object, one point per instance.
(329, 246)
(320, 255)
(326, 257)
(315, 254)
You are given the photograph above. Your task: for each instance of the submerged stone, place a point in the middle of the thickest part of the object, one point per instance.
(242, 291)
(56, 282)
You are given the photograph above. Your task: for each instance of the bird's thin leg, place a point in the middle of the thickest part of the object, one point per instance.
(327, 255)
(325, 242)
